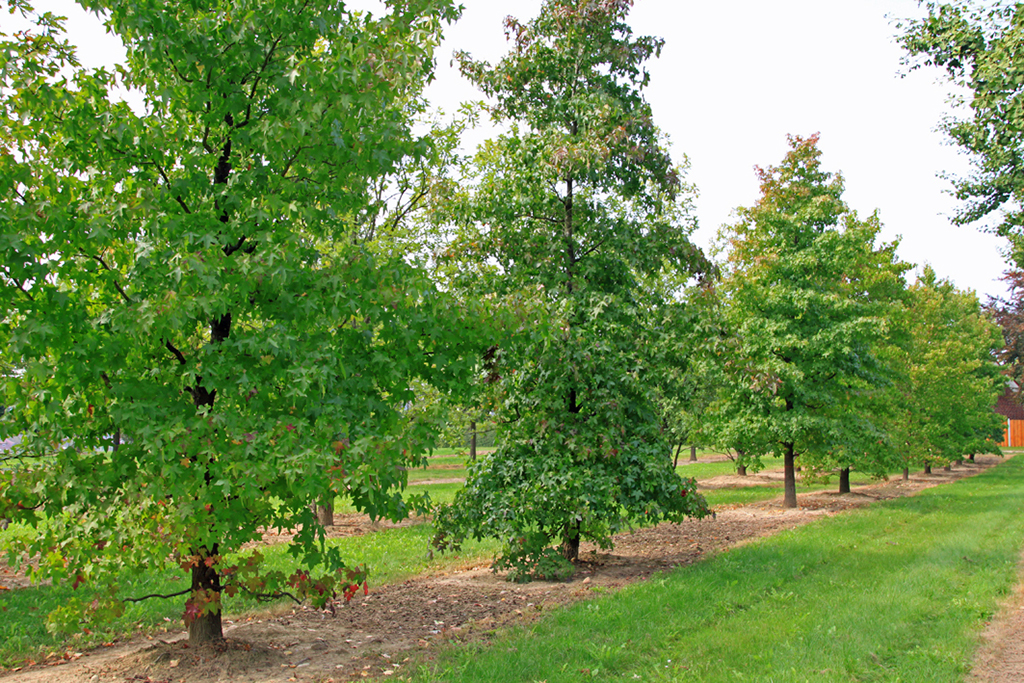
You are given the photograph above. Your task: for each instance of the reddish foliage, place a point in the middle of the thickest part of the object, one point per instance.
(1009, 314)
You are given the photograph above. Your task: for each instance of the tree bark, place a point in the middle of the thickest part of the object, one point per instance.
(844, 480)
(693, 453)
(571, 542)
(207, 627)
(971, 457)
(947, 468)
(324, 510)
(472, 441)
(789, 501)
(906, 474)
(927, 468)
(675, 457)
(741, 470)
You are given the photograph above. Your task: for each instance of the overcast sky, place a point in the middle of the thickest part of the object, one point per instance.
(736, 77)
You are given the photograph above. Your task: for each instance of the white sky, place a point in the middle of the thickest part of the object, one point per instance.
(734, 78)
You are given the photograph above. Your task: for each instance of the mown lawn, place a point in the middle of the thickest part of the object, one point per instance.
(392, 555)
(894, 592)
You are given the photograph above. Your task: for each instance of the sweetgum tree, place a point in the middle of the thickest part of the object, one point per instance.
(205, 343)
(977, 44)
(578, 214)
(806, 296)
(950, 381)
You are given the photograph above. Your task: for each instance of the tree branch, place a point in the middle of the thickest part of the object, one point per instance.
(409, 207)
(206, 137)
(231, 249)
(595, 247)
(288, 165)
(268, 596)
(158, 595)
(259, 75)
(167, 181)
(117, 285)
(24, 291)
(174, 67)
(175, 351)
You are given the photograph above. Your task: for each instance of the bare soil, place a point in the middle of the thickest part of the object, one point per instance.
(380, 634)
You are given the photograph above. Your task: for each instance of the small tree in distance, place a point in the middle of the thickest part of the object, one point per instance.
(951, 381)
(805, 295)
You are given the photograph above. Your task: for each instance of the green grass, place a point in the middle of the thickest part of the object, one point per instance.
(741, 496)
(460, 452)
(706, 470)
(447, 467)
(894, 592)
(393, 555)
(439, 493)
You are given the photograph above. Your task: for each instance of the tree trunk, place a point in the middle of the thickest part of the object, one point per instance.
(693, 454)
(947, 468)
(472, 441)
(906, 474)
(207, 627)
(675, 458)
(789, 501)
(927, 468)
(971, 457)
(741, 470)
(325, 510)
(571, 542)
(844, 480)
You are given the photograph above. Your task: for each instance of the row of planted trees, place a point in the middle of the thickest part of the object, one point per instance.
(806, 341)
(258, 291)
(810, 344)
(813, 345)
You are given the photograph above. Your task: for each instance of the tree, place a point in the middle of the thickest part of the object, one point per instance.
(946, 402)
(578, 210)
(977, 44)
(1008, 313)
(690, 381)
(207, 344)
(805, 295)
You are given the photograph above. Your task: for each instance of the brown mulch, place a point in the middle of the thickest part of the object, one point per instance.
(382, 633)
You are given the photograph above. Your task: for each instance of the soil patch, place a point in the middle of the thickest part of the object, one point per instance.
(381, 633)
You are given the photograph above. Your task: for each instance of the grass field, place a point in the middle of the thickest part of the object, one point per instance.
(393, 555)
(894, 592)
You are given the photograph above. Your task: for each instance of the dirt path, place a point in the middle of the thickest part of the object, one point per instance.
(376, 635)
(1001, 656)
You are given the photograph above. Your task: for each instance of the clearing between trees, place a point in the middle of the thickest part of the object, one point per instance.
(396, 626)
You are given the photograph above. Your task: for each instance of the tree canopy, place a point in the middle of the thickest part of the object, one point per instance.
(579, 209)
(805, 295)
(205, 344)
(951, 380)
(977, 45)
